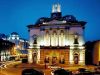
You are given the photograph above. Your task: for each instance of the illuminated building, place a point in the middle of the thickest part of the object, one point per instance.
(12, 47)
(96, 53)
(6, 49)
(17, 51)
(21, 45)
(57, 40)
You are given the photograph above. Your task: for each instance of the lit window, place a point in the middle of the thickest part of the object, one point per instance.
(13, 38)
(17, 38)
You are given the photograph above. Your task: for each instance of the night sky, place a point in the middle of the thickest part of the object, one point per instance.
(15, 15)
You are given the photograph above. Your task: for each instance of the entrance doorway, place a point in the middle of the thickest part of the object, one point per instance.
(76, 58)
(54, 60)
(34, 57)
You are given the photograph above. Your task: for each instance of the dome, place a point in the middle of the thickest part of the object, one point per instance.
(3, 36)
(14, 33)
(42, 19)
(69, 18)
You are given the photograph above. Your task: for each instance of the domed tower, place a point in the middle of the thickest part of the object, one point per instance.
(14, 37)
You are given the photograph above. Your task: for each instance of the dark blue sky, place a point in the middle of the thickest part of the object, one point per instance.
(15, 15)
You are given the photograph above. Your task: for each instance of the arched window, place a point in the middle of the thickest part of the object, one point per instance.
(61, 38)
(55, 38)
(47, 38)
(35, 39)
(76, 35)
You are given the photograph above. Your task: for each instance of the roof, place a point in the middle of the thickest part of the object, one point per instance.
(56, 14)
(3, 36)
(70, 20)
(23, 51)
(14, 33)
(66, 18)
(42, 19)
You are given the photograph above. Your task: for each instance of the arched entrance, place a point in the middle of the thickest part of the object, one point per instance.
(76, 58)
(34, 57)
(46, 60)
(61, 59)
(54, 60)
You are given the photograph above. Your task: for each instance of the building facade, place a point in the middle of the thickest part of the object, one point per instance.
(21, 45)
(96, 53)
(6, 49)
(57, 39)
(13, 47)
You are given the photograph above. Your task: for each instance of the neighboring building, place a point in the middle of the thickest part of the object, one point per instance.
(96, 53)
(21, 45)
(57, 40)
(14, 37)
(19, 49)
(89, 46)
(3, 36)
(6, 50)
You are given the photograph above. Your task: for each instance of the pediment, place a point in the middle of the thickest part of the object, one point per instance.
(55, 22)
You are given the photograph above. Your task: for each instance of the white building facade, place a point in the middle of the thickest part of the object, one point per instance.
(57, 32)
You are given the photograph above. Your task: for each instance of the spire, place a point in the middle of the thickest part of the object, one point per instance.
(56, 8)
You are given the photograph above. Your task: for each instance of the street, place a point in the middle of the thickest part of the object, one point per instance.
(16, 68)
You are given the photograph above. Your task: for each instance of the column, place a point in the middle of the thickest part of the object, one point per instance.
(38, 56)
(66, 37)
(58, 36)
(82, 57)
(71, 57)
(50, 38)
(30, 56)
